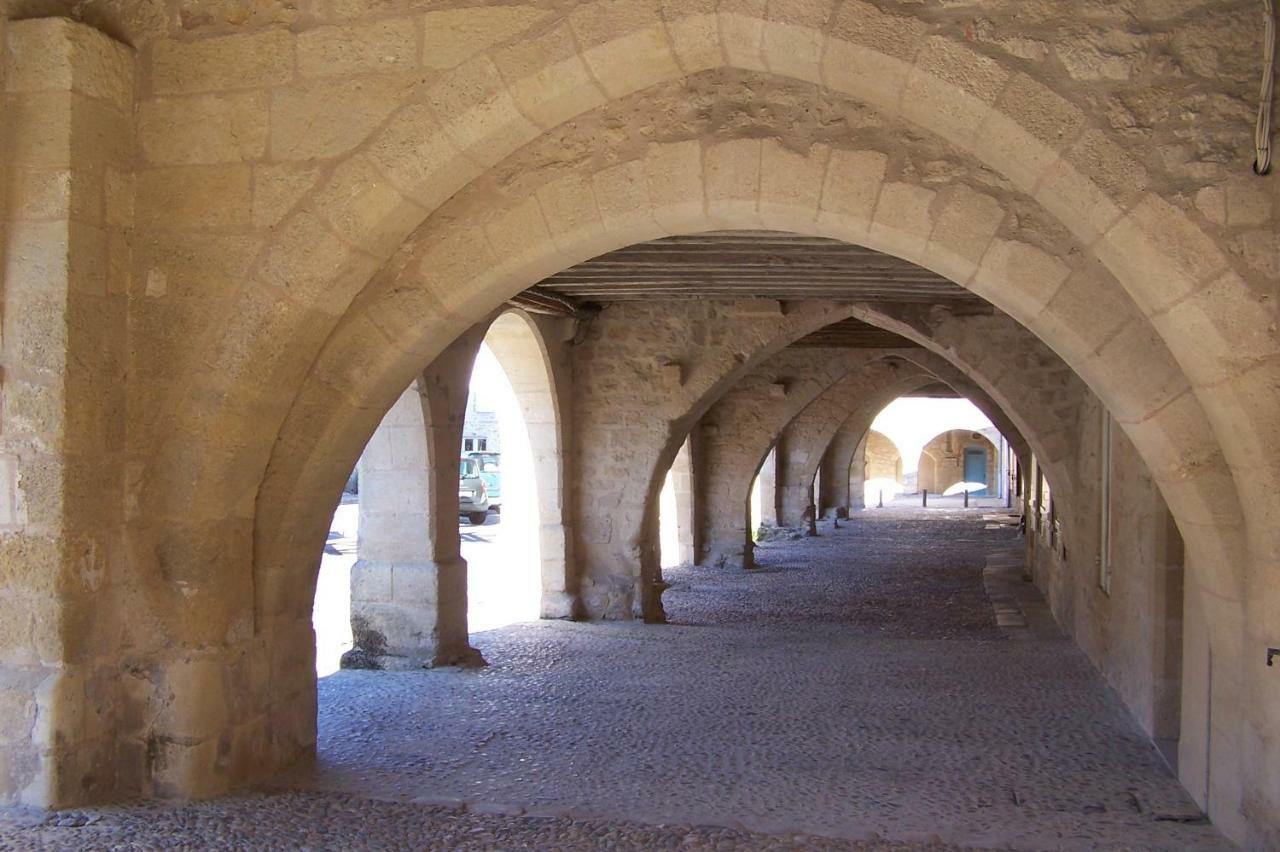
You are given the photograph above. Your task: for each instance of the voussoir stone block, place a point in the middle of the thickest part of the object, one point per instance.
(951, 90)
(1159, 254)
(1230, 315)
(741, 28)
(622, 194)
(1136, 350)
(277, 187)
(965, 226)
(733, 180)
(419, 158)
(852, 186)
(625, 44)
(902, 220)
(519, 234)
(793, 37)
(548, 77)
(478, 112)
(364, 208)
(569, 206)
(1024, 134)
(791, 182)
(1081, 317)
(675, 180)
(451, 36)
(870, 54)
(1021, 277)
(694, 30)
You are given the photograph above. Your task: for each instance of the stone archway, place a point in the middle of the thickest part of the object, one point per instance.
(519, 342)
(229, 498)
(943, 462)
(881, 459)
(410, 589)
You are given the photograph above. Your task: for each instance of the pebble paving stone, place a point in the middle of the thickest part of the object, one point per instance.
(854, 692)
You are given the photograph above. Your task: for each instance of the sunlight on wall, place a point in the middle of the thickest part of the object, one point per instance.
(668, 523)
(874, 489)
(756, 511)
(911, 423)
(504, 568)
(331, 615)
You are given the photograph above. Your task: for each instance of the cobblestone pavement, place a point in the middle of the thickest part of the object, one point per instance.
(852, 689)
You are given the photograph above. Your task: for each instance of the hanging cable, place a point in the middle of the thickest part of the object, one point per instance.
(1262, 134)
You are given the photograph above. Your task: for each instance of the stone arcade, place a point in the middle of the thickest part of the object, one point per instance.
(241, 242)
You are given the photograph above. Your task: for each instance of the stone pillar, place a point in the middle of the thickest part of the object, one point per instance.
(409, 585)
(532, 351)
(858, 476)
(769, 485)
(726, 538)
(71, 716)
(839, 492)
(683, 474)
(795, 498)
(393, 602)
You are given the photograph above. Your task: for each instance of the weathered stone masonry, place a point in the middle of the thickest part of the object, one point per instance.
(230, 246)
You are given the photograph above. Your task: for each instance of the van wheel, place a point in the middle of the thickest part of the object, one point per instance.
(478, 518)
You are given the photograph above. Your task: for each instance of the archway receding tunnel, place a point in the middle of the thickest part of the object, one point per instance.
(612, 310)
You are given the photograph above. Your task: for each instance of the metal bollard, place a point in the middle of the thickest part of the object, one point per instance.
(966, 498)
(924, 497)
(880, 505)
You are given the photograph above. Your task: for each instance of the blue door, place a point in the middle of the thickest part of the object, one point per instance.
(975, 468)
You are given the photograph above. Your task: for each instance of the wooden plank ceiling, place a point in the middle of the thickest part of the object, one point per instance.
(756, 265)
(854, 334)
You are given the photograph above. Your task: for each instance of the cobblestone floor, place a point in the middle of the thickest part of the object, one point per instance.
(853, 693)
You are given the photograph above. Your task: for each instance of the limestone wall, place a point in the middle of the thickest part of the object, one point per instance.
(942, 461)
(1132, 627)
(71, 725)
(327, 195)
(882, 459)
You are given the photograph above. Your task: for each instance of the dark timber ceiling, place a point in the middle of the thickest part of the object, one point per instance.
(937, 390)
(753, 264)
(854, 334)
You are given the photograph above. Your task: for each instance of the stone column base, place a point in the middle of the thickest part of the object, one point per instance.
(404, 617)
